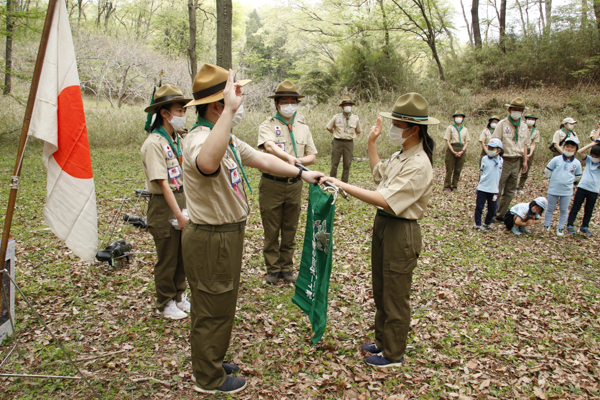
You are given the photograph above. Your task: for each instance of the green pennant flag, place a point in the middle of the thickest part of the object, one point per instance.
(312, 285)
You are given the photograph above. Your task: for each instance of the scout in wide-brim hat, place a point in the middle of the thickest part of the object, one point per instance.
(209, 85)
(531, 116)
(286, 89)
(166, 94)
(459, 113)
(411, 108)
(346, 101)
(494, 117)
(516, 103)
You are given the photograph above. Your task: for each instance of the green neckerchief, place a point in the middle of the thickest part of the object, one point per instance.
(532, 130)
(458, 129)
(290, 128)
(204, 122)
(516, 125)
(566, 133)
(177, 149)
(347, 119)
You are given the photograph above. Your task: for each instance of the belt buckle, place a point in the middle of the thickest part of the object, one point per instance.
(291, 180)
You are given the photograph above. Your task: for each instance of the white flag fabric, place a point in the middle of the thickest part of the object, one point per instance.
(59, 120)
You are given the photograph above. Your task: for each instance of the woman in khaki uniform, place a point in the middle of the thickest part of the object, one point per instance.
(457, 140)
(486, 135)
(563, 133)
(405, 186)
(161, 156)
(534, 137)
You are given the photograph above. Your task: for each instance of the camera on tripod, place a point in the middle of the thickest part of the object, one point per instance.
(138, 222)
(116, 250)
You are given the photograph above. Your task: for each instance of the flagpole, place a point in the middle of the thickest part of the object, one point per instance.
(16, 176)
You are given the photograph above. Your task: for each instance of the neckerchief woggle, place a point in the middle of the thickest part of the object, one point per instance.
(177, 149)
(458, 129)
(290, 128)
(204, 122)
(516, 125)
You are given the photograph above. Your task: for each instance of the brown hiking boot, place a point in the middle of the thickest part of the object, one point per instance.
(288, 277)
(271, 279)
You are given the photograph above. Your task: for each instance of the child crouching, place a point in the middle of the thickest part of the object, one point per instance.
(522, 215)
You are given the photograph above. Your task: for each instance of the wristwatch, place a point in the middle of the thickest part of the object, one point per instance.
(299, 174)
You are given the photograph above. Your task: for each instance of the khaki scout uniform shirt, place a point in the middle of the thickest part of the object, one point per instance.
(536, 136)
(485, 136)
(345, 129)
(158, 158)
(212, 200)
(560, 135)
(278, 132)
(452, 135)
(505, 131)
(405, 182)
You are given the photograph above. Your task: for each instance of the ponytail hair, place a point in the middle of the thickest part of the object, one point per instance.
(428, 142)
(157, 121)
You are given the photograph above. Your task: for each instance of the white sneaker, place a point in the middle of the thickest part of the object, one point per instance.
(172, 311)
(520, 191)
(184, 305)
(560, 232)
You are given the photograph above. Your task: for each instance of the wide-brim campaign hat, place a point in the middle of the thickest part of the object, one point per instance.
(346, 100)
(166, 94)
(459, 113)
(209, 85)
(494, 117)
(411, 108)
(286, 89)
(516, 103)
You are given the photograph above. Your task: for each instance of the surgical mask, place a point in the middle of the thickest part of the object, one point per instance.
(347, 109)
(595, 160)
(492, 153)
(568, 153)
(177, 122)
(516, 114)
(458, 120)
(396, 135)
(530, 122)
(493, 125)
(288, 110)
(570, 126)
(237, 117)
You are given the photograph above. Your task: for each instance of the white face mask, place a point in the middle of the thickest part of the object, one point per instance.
(516, 115)
(530, 122)
(493, 125)
(237, 117)
(458, 120)
(347, 109)
(492, 153)
(288, 110)
(595, 160)
(568, 153)
(177, 122)
(570, 127)
(396, 135)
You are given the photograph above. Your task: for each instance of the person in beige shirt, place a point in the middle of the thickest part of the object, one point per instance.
(287, 136)
(457, 140)
(534, 137)
(564, 132)
(486, 135)
(405, 183)
(344, 126)
(161, 157)
(213, 239)
(514, 133)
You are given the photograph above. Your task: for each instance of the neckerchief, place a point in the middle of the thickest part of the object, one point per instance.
(204, 122)
(177, 149)
(532, 130)
(516, 125)
(568, 134)
(290, 128)
(458, 129)
(347, 119)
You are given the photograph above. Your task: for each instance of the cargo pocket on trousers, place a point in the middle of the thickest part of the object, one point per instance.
(400, 274)
(159, 233)
(216, 298)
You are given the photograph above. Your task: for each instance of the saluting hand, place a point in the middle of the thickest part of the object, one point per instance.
(375, 130)
(232, 95)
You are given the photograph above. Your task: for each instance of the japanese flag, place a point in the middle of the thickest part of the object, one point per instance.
(59, 120)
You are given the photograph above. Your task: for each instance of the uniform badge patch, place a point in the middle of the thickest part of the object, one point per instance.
(339, 121)
(278, 130)
(169, 151)
(281, 146)
(507, 129)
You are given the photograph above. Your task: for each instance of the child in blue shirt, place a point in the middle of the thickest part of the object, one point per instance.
(563, 171)
(587, 190)
(487, 190)
(522, 215)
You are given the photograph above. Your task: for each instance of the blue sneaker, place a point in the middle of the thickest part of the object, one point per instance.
(523, 229)
(571, 230)
(515, 230)
(380, 361)
(371, 348)
(585, 231)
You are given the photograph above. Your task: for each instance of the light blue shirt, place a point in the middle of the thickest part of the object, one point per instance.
(591, 176)
(491, 170)
(521, 211)
(563, 175)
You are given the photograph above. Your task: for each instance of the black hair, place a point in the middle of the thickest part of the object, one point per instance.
(158, 119)
(595, 151)
(532, 204)
(279, 98)
(490, 123)
(202, 108)
(428, 143)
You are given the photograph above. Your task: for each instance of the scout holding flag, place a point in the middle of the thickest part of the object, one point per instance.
(405, 186)
(514, 134)
(161, 156)
(457, 140)
(286, 136)
(213, 239)
(344, 126)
